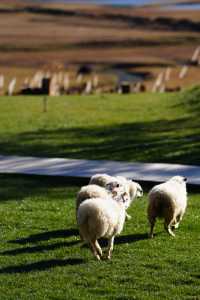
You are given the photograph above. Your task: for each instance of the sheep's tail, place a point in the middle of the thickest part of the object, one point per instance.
(83, 224)
(161, 205)
(132, 191)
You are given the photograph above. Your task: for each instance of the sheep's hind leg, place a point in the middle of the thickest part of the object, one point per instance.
(110, 247)
(178, 220)
(169, 229)
(175, 225)
(152, 224)
(96, 249)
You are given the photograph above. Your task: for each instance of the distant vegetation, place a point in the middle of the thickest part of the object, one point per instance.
(133, 21)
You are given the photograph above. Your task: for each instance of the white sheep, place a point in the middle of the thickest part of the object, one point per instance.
(97, 218)
(95, 191)
(167, 200)
(135, 190)
(101, 179)
(91, 191)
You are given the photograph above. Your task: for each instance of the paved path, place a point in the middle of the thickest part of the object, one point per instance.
(86, 168)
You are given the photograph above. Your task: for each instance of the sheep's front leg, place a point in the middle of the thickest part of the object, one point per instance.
(110, 247)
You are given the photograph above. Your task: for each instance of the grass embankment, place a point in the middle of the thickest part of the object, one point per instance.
(140, 127)
(41, 256)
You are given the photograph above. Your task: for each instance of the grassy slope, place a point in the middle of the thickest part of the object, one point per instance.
(142, 127)
(41, 256)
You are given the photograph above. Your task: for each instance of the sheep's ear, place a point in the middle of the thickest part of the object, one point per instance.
(140, 192)
(113, 184)
(185, 179)
(109, 186)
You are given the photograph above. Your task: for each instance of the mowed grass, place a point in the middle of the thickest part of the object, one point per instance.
(142, 127)
(41, 256)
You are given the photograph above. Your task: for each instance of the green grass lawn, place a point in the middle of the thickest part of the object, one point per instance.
(141, 127)
(41, 256)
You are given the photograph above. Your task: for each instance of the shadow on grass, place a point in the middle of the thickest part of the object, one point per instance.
(17, 187)
(41, 265)
(131, 238)
(197, 276)
(153, 267)
(123, 239)
(168, 141)
(40, 248)
(45, 236)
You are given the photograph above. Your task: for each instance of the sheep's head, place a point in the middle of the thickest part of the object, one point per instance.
(135, 190)
(115, 188)
(120, 192)
(123, 199)
(179, 179)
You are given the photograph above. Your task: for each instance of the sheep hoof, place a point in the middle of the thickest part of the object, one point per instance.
(151, 235)
(176, 225)
(171, 232)
(97, 257)
(128, 217)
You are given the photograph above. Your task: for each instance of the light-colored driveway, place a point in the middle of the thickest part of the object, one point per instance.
(86, 168)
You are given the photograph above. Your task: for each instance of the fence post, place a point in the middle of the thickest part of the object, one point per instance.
(44, 104)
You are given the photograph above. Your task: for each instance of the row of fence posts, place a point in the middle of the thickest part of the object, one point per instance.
(52, 85)
(59, 83)
(163, 78)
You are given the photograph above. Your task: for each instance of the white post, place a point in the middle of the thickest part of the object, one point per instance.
(158, 82)
(183, 71)
(11, 86)
(88, 88)
(167, 74)
(45, 104)
(54, 86)
(95, 81)
(36, 81)
(1, 81)
(26, 83)
(66, 82)
(195, 54)
(79, 79)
